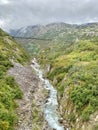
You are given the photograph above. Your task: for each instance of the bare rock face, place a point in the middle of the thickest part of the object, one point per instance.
(29, 109)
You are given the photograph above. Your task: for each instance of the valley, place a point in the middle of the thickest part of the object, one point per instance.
(69, 61)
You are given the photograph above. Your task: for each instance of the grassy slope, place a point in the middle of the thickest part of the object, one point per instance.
(75, 67)
(73, 58)
(9, 90)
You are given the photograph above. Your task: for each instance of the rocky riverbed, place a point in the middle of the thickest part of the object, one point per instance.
(29, 108)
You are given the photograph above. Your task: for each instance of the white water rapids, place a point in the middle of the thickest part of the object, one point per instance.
(50, 107)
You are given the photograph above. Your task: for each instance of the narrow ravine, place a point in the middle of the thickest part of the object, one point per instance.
(50, 107)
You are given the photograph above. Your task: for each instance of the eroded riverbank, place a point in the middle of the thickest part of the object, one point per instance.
(38, 109)
(29, 108)
(50, 107)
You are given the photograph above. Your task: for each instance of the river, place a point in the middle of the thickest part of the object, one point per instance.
(50, 107)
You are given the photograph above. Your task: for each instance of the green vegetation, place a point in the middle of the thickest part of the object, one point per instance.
(34, 46)
(37, 118)
(75, 67)
(72, 55)
(9, 89)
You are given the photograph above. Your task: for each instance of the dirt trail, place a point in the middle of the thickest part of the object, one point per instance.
(30, 110)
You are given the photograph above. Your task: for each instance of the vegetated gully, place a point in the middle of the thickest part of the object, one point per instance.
(50, 107)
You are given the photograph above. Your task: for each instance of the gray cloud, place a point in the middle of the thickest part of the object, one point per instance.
(18, 13)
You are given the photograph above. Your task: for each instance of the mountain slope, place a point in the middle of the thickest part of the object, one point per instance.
(50, 32)
(71, 63)
(74, 72)
(60, 33)
(9, 89)
(41, 31)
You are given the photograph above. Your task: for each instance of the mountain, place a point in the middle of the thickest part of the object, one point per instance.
(53, 33)
(54, 30)
(73, 70)
(42, 34)
(10, 51)
(70, 60)
(39, 31)
(26, 31)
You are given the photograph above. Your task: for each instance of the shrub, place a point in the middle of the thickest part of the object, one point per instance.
(72, 117)
(4, 125)
(87, 112)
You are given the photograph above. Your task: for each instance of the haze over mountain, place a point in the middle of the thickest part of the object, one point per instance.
(16, 14)
(53, 32)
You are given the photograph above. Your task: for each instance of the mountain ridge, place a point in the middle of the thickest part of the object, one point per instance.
(51, 24)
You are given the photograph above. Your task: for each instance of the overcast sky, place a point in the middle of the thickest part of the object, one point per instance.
(18, 13)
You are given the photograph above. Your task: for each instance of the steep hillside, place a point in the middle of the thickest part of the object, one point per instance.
(9, 89)
(70, 59)
(26, 31)
(74, 72)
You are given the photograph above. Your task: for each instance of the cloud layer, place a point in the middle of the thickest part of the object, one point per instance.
(18, 13)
